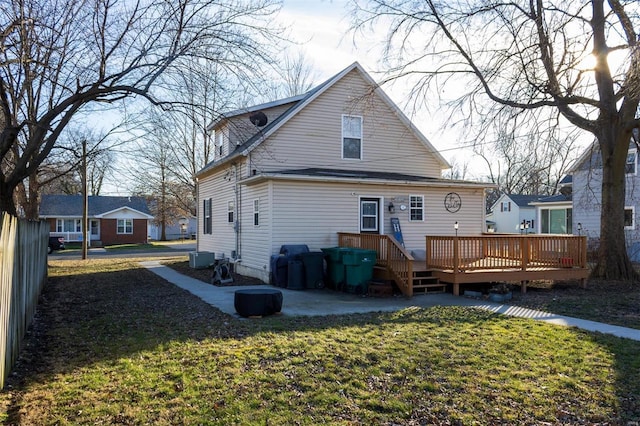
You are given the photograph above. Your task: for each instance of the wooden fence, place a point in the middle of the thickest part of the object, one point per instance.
(23, 272)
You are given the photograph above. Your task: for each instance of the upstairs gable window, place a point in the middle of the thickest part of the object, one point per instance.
(352, 137)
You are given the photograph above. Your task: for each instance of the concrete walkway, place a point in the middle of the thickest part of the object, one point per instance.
(321, 302)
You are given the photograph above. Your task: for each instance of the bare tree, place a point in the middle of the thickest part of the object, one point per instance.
(530, 58)
(57, 57)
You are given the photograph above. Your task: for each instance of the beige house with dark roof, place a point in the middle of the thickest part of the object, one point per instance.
(340, 158)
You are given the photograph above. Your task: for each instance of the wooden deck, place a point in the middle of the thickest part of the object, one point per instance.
(497, 258)
(479, 259)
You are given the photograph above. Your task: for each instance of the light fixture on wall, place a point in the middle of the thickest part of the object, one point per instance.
(455, 226)
(392, 208)
(579, 229)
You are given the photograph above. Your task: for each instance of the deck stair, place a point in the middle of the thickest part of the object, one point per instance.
(424, 282)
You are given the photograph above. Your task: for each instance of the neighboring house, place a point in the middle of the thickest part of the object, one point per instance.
(341, 157)
(174, 231)
(112, 220)
(587, 195)
(554, 214)
(512, 214)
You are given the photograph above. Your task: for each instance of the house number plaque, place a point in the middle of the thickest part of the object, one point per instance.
(452, 202)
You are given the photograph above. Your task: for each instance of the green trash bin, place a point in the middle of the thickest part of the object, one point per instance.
(359, 270)
(313, 263)
(335, 267)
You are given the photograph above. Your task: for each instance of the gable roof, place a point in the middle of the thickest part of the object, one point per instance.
(250, 144)
(593, 152)
(71, 205)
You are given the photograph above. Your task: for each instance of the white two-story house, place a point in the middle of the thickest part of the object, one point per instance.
(339, 158)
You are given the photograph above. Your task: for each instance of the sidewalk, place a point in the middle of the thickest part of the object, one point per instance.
(321, 302)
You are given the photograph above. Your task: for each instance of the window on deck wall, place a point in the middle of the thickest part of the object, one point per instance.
(416, 208)
(556, 221)
(125, 226)
(352, 137)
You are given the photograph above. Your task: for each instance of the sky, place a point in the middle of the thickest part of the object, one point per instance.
(322, 28)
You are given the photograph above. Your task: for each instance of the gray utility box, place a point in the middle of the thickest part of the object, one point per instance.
(201, 259)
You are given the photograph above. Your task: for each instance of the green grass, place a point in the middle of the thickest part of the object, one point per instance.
(116, 345)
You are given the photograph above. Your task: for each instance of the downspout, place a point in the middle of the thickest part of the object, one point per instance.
(238, 202)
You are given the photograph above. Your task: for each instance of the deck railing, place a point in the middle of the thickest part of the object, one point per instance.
(390, 254)
(523, 252)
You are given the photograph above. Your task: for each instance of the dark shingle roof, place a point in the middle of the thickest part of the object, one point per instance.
(524, 200)
(71, 205)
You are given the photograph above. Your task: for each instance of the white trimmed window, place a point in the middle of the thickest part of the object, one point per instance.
(206, 223)
(505, 206)
(125, 226)
(256, 212)
(352, 137)
(630, 217)
(416, 208)
(68, 225)
(632, 161)
(230, 211)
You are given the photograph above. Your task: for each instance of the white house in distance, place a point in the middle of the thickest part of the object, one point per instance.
(339, 158)
(554, 214)
(512, 214)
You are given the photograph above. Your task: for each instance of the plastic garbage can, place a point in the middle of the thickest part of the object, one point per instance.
(335, 267)
(359, 270)
(295, 279)
(313, 263)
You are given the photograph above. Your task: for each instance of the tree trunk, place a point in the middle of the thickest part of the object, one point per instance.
(613, 261)
(7, 203)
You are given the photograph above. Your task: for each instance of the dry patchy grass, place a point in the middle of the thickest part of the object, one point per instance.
(115, 344)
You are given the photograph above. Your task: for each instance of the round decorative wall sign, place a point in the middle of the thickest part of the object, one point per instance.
(452, 202)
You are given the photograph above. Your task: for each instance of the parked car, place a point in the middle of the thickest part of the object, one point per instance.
(56, 243)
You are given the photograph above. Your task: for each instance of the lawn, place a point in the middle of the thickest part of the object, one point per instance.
(115, 344)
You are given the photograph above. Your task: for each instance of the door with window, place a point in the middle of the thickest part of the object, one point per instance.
(370, 215)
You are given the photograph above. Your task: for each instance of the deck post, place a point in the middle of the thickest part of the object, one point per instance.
(456, 266)
(524, 252)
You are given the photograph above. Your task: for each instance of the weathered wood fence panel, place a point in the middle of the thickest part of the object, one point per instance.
(23, 272)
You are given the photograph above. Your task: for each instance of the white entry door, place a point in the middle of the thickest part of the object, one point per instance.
(370, 215)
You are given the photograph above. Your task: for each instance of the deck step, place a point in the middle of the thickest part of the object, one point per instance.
(424, 282)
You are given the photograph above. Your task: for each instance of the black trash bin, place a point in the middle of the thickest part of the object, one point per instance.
(279, 270)
(313, 263)
(295, 279)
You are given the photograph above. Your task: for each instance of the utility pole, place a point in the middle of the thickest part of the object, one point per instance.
(85, 202)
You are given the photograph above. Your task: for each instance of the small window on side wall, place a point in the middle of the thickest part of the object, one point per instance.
(230, 211)
(632, 160)
(629, 218)
(256, 212)
(352, 137)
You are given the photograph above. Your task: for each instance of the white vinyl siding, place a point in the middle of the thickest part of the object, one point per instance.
(312, 138)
